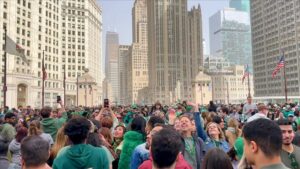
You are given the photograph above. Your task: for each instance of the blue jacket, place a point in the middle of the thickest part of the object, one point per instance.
(139, 155)
(210, 144)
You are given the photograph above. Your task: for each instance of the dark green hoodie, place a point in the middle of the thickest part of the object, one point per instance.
(81, 156)
(51, 125)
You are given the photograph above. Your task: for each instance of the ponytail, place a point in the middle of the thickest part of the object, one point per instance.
(34, 128)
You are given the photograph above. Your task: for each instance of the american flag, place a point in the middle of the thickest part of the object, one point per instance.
(246, 74)
(279, 66)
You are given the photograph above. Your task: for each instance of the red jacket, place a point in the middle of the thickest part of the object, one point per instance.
(180, 164)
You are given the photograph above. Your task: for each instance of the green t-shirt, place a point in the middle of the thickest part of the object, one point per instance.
(190, 151)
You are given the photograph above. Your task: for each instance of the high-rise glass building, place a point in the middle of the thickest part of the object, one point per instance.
(230, 36)
(240, 5)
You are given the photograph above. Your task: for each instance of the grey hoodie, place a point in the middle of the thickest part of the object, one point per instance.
(15, 149)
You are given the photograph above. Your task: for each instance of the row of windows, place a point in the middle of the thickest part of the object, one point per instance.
(24, 3)
(80, 54)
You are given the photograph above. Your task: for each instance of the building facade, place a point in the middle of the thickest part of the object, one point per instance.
(202, 89)
(228, 87)
(138, 76)
(216, 64)
(112, 64)
(275, 29)
(169, 50)
(123, 72)
(35, 26)
(62, 32)
(81, 44)
(230, 36)
(240, 5)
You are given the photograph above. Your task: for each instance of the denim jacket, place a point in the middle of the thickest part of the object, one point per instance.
(210, 144)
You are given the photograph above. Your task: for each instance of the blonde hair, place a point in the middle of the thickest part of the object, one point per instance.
(60, 142)
(234, 124)
(221, 135)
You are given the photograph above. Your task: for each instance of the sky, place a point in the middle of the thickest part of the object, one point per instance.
(117, 17)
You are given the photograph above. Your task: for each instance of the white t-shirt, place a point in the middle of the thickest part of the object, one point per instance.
(248, 107)
(257, 116)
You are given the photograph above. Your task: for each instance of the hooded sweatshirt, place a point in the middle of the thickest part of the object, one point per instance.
(15, 149)
(131, 140)
(81, 156)
(51, 125)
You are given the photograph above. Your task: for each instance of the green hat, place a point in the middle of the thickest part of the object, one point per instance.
(239, 147)
(134, 106)
(188, 108)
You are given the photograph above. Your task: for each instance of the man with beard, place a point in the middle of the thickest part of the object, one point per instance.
(290, 153)
(7, 130)
(262, 144)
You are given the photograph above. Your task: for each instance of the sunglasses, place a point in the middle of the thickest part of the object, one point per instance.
(294, 162)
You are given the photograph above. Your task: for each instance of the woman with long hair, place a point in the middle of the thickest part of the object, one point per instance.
(60, 142)
(15, 147)
(233, 131)
(216, 138)
(118, 136)
(35, 130)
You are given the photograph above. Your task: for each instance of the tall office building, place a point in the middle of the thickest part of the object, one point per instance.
(240, 5)
(35, 26)
(123, 72)
(138, 53)
(170, 58)
(112, 64)
(81, 45)
(275, 28)
(230, 36)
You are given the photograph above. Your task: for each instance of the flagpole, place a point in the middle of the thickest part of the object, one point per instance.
(5, 70)
(284, 76)
(64, 86)
(249, 94)
(43, 80)
(77, 88)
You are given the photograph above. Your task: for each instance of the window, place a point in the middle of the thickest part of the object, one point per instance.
(5, 5)
(4, 15)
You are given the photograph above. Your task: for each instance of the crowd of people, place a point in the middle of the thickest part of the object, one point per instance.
(179, 136)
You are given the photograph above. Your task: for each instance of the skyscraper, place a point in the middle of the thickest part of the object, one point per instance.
(230, 36)
(112, 64)
(275, 29)
(170, 58)
(81, 44)
(240, 5)
(138, 53)
(123, 73)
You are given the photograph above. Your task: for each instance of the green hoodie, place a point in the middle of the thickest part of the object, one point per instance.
(81, 156)
(131, 140)
(51, 125)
